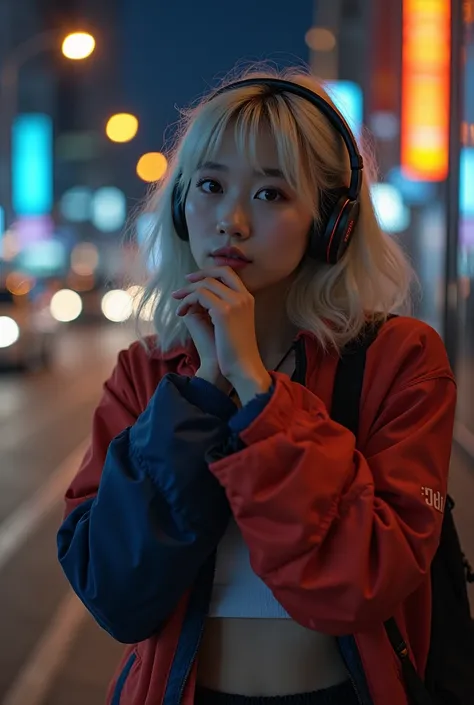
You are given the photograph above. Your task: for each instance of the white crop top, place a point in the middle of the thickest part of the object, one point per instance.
(238, 591)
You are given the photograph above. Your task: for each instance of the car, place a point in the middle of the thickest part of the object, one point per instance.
(27, 332)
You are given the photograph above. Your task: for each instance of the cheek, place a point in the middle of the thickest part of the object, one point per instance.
(193, 214)
(197, 225)
(290, 237)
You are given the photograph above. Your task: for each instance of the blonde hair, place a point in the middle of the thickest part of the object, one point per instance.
(333, 302)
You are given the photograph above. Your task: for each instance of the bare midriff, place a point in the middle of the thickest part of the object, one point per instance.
(267, 657)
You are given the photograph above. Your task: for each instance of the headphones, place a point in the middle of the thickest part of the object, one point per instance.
(339, 207)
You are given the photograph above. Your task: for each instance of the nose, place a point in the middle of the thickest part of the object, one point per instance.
(234, 223)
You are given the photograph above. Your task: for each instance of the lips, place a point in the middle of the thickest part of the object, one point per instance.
(231, 253)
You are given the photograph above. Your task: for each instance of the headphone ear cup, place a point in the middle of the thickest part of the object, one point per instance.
(177, 212)
(349, 215)
(328, 201)
(340, 215)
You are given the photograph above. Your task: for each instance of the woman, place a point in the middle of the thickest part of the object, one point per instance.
(221, 523)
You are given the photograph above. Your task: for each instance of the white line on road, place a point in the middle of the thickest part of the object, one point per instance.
(35, 678)
(14, 433)
(19, 525)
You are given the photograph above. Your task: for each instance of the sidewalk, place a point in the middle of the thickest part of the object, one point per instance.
(461, 488)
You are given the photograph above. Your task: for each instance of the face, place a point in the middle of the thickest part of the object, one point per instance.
(229, 205)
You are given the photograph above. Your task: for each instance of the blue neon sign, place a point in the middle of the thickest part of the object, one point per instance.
(32, 164)
(466, 195)
(349, 100)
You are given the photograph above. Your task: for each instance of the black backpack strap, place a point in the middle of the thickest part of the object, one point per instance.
(349, 379)
(345, 409)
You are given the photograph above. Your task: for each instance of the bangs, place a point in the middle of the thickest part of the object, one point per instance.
(249, 116)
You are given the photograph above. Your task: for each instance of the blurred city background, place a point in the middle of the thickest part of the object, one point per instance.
(90, 92)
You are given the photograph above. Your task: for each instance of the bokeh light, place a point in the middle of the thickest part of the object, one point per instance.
(109, 209)
(391, 211)
(84, 258)
(320, 39)
(348, 98)
(43, 258)
(121, 127)
(152, 166)
(66, 305)
(10, 245)
(19, 283)
(9, 331)
(136, 293)
(75, 205)
(117, 305)
(78, 46)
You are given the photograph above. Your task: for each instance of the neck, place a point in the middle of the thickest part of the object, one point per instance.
(275, 332)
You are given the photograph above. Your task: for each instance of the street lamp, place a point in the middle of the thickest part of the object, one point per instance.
(76, 46)
(121, 127)
(152, 166)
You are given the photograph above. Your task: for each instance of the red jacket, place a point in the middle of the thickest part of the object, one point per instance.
(343, 535)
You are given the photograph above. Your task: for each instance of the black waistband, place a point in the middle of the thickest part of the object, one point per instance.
(342, 694)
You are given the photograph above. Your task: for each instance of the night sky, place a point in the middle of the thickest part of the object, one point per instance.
(174, 51)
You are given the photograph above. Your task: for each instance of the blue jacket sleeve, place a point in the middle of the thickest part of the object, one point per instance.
(132, 551)
(206, 394)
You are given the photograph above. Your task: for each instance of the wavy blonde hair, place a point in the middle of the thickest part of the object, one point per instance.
(333, 302)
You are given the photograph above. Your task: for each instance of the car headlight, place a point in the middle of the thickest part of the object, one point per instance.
(9, 331)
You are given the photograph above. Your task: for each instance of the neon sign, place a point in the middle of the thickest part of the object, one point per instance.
(425, 89)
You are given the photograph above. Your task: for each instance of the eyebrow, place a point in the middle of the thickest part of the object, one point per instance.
(266, 171)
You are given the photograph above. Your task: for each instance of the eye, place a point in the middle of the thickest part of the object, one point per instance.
(270, 195)
(209, 186)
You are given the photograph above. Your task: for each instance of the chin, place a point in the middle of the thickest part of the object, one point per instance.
(255, 284)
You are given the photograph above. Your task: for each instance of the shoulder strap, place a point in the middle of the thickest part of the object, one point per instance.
(350, 378)
(345, 410)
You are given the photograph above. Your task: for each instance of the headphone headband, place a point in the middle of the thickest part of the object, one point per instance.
(278, 85)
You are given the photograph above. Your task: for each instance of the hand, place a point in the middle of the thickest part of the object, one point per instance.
(201, 329)
(220, 293)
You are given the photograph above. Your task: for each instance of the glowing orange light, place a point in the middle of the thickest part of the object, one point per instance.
(152, 166)
(19, 284)
(425, 89)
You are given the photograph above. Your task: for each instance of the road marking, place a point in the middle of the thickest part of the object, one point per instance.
(16, 432)
(16, 528)
(34, 681)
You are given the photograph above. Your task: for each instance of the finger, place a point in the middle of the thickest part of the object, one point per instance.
(180, 293)
(203, 297)
(221, 290)
(187, 305)
(190, 306)
(223, 274)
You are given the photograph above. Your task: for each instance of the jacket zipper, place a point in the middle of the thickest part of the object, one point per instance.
(353, 683)
(120, 684)
(199, 639)
(188, 670)
(348, 648)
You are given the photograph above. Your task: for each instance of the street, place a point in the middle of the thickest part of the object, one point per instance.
(51, 651)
